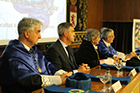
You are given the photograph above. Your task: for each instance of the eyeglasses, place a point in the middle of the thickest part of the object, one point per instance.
(112, 36)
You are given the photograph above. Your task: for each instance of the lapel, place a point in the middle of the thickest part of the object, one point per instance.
(63, 53)
(105, 45)
(89, 44)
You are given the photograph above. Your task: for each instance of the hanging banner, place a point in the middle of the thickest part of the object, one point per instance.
(73, 13)
(136, 35)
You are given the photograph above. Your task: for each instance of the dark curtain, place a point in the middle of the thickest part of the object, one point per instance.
(123, 35)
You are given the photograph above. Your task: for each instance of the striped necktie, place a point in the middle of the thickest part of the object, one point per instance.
(33, 54)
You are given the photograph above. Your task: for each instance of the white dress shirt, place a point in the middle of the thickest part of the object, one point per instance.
(119, 54)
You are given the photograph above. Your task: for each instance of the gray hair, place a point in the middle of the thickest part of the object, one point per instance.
(63, 27)
(106, 33)
(102, 29)
(92, 34)
(28, 24)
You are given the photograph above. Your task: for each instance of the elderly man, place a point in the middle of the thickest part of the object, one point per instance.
(23, 68)
(61, 55)
(106, 48)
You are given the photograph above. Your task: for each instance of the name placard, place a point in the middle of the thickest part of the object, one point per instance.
(132, 72)
(116, 86)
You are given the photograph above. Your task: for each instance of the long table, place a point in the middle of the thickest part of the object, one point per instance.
(97, 86)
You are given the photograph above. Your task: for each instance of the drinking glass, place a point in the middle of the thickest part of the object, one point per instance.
(119, 65)
(104, 78)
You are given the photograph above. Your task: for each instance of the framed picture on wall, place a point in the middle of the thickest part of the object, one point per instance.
(136, 35)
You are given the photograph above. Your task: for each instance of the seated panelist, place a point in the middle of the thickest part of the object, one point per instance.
(61, 55)
(23, 68)
(105, 47)
(88, 52)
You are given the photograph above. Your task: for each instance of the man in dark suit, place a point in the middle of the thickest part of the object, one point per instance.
(58, 54)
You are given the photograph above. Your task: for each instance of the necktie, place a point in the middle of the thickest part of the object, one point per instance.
(33, 54)
(108, 48)
(97, 53)
(70, 57)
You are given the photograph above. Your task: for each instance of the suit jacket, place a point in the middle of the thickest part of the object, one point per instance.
(103, 48)
(87, 54)
(57, 55)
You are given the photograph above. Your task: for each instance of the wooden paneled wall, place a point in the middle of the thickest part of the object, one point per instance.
(121, 10)
(100, 11)
(95, 14)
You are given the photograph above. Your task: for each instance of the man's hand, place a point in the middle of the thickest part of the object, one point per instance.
(131, 55)
(84, 68)
(64, 77)
(116, 58)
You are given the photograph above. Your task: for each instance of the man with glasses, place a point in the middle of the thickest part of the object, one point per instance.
(105, 47)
